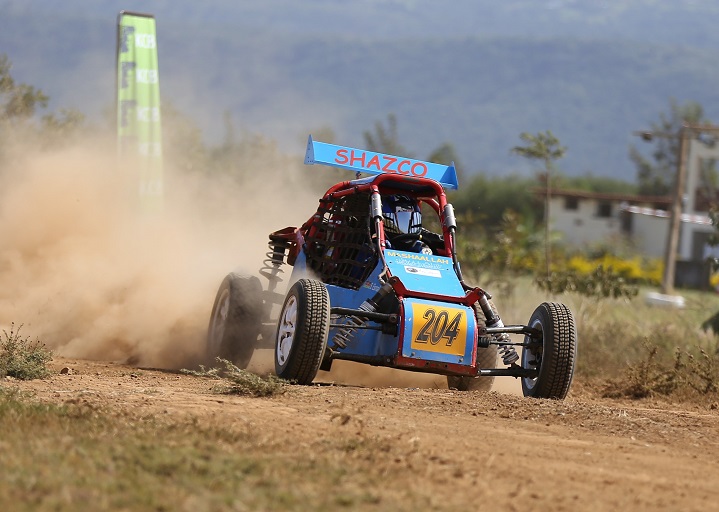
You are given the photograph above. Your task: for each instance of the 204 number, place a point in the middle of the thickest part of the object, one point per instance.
(438, 326)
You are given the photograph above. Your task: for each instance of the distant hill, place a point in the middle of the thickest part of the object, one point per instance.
(474, 73)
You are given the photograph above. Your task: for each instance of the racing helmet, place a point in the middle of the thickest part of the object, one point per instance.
(401, 215)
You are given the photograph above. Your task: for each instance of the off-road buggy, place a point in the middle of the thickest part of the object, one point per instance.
(370, 284)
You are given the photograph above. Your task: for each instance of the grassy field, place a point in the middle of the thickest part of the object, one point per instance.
(56, 457)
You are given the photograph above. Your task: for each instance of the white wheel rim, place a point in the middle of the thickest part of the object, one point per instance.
(528, 355)
(286, 331)
(219, 321)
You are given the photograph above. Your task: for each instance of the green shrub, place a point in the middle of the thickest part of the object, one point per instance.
(600, 283)
(21, 358)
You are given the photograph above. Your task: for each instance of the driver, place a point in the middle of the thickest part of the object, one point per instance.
(403, 225)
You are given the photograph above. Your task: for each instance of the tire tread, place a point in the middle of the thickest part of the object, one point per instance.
(312, 328)
(559, 351)
(243, 321)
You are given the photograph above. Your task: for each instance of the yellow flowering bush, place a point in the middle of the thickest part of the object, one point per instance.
(633, 270)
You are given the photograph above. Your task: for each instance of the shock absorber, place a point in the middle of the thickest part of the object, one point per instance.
(344, 335)
(274, 258)
(506, 351)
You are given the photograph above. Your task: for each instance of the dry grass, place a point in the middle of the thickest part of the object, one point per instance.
(79, 457)
(629, 348)
(236, 381)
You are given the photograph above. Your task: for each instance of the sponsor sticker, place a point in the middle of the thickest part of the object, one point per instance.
(430, 272)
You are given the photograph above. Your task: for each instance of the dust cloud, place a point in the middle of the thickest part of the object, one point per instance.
(92, 277)
(349, 373)
(86, 273)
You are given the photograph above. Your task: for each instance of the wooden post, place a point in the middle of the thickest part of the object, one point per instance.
(675, 217)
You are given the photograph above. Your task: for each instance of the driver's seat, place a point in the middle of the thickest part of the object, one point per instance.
(402, 219)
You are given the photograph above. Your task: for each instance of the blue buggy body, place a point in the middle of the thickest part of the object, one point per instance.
(371, 284)
(428, 331)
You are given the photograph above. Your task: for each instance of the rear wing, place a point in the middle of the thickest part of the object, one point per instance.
(359, 160)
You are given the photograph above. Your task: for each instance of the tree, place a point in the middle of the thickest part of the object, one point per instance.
(17, 101)
(655, 176)
(543, 146)
(445, 154)
(60, 127)
(183, 147)
(385, 140)
(19, 106)
(484, 200)
(591, 183)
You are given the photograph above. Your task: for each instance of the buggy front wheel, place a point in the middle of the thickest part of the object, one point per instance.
(302, 331)
(552, 353)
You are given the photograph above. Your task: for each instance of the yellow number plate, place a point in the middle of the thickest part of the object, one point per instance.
(439, 329)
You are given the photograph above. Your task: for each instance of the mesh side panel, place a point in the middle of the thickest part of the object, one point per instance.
(338, 244)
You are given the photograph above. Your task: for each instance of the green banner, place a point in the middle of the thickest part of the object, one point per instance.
(139, 133)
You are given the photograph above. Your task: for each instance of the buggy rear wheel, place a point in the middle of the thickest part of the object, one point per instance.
(302, 331)
(553, 354)
(486, 358)
(235, 320)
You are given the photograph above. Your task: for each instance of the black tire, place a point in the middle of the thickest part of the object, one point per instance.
(554, 354)
(486, 358)
(236, 320)
(302, 331)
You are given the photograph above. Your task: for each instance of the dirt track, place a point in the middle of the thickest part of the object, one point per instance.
(495, 451)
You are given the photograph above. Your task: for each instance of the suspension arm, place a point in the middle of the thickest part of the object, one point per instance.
(382, 318)
(510, 329)
(368, 327)
(516, 371)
